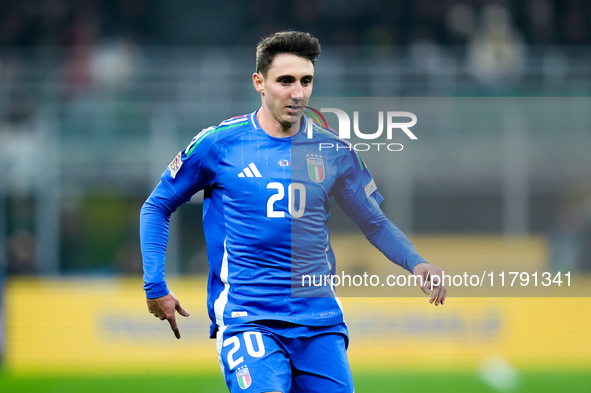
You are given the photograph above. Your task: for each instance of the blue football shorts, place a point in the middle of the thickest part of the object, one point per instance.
(277, 356)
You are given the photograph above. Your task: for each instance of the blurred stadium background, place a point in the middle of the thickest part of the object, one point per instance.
(97, 97)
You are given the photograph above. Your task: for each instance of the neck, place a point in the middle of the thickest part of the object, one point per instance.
(274, 128)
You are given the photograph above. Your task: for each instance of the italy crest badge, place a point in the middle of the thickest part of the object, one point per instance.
(316, 168)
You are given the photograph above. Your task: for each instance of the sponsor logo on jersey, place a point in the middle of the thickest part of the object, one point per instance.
(250, 171)
(284, 163)
(175, 165)
(316, 168)
(243, 376)
(236, 314)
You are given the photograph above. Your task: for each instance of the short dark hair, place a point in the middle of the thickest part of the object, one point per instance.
(294, 42)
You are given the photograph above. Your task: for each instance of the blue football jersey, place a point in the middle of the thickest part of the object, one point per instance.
(265, 214)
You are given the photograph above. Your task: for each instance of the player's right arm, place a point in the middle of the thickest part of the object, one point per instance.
(164, 308)
(188, 173)
(154, 230)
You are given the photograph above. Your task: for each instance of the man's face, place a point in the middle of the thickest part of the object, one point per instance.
(286, 88)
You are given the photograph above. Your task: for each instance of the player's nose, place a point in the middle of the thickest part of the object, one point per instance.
(297, 100)
(297, 92)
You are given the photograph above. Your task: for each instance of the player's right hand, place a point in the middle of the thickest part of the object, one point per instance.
(165, 307)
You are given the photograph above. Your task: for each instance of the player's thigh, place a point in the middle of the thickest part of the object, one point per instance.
(320, 364)
(251, 358)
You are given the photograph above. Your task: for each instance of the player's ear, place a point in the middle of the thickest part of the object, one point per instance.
(257, 81)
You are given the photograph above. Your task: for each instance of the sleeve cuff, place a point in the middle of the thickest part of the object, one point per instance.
(415, 262)
(156, 290)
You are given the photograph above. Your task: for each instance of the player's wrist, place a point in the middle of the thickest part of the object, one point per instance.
(156, 290)
(417, 263)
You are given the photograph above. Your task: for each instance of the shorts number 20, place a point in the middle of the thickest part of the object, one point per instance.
(247, 338)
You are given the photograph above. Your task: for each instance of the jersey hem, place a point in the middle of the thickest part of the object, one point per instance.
(310, 321)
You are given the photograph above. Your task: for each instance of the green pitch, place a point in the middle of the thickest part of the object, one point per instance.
(364, 382)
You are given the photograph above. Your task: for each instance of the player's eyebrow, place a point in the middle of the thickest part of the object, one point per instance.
(289, 78)
(292, 78)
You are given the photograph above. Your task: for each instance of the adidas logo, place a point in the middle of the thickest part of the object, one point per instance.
(250, 171)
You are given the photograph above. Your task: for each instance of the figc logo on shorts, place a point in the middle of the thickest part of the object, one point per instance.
(243, 376)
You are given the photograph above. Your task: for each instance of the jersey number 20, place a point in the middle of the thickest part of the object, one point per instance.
(291, 190)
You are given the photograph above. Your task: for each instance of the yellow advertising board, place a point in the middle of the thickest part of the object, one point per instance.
(103, 326)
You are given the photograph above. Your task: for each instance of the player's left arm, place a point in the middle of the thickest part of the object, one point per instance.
(359, 198)
(429, 284)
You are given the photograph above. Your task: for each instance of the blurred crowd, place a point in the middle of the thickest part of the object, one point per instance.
(99, 42)
(50, 23)
(69, 23)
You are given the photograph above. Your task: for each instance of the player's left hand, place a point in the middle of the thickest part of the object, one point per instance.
(432, 282)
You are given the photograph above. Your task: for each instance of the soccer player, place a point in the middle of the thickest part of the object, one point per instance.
(267, 192)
